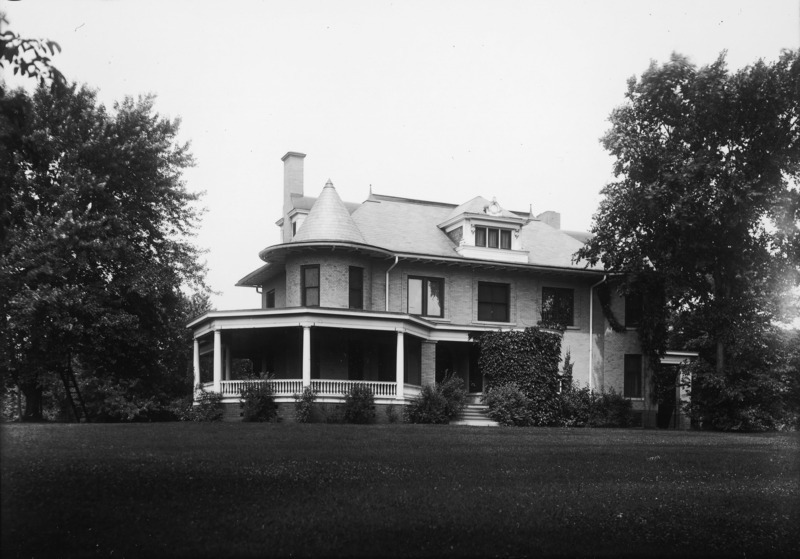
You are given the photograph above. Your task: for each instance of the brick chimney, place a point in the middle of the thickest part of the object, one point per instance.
(551, 218)
(292, 185)
(292, 178)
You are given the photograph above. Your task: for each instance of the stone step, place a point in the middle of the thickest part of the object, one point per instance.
(475, 415)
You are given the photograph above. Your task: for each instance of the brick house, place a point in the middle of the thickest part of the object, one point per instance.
(387, 293)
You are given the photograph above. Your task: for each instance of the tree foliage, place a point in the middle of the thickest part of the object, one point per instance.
(702, 220)
(31, 58)
(96, 249)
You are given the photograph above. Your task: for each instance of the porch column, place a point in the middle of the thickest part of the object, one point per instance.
(306, 354)
(196, 362)
(400, 365)
(428, 363)
(217, 360)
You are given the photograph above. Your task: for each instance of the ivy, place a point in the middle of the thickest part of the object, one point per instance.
(604, 295)
(528, 359)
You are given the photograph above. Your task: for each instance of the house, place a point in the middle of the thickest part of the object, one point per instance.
(388, 291)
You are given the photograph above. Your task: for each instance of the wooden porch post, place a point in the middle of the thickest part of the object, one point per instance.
(306, 354)
(196, 363)
(217, 360)
(228, 362)
(400, 365)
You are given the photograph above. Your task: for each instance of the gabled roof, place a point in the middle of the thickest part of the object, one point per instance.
(480, 206)
(329, 220)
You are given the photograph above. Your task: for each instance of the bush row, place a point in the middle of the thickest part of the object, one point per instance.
(572, 407)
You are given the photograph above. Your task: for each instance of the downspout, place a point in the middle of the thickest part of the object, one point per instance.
(396, 260)
(591, 326)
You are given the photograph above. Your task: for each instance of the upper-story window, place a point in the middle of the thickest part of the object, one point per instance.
(558, 306)
(633, 310)
(310, 285)
(270, 303)
(493, 301)
(426, 296)
(356, 287)
(493, 238)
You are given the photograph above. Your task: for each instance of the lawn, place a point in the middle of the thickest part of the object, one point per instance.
(235, 489)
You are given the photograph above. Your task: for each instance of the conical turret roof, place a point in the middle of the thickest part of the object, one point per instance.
(329, 220)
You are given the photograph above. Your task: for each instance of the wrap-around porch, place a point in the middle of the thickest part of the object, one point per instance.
(390, 353)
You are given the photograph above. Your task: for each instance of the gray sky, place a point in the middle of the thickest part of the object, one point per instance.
(439, 100)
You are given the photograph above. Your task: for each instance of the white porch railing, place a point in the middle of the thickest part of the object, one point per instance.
(288, 387)
(411, 390)
(339, 387)
(281, 387)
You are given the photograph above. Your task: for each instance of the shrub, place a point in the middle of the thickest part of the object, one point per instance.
(440, 403)
(332, 413)
(610, 409)
(508, 405)
(304, 404)
(391, 414)
(258, 402)
(359, 404)
(208, 407)
(749, 396)
(576, 406)
(429, 406)
(454, 393)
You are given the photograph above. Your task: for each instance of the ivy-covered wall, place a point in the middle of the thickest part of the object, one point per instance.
(529, 358)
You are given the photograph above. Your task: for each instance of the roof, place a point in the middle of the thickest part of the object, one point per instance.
(480, 206)
(410, 227)
(329, 220)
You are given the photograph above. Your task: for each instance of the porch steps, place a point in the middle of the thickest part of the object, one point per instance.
(476, 416)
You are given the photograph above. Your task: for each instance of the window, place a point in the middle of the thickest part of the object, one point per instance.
(633, 310)
(294, 228)
(558, 306)
(426, 296)
(356, 287)
(493, 301)
(633, 376)
(493, 238)
(270, 299)
(310, 285)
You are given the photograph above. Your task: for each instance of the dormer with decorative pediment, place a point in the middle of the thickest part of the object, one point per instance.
(485, 230)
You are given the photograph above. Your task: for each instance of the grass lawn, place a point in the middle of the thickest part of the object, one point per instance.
(236, 489)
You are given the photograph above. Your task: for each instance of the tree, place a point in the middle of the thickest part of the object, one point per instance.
(702, 220)
(29, 57)
(97, 246)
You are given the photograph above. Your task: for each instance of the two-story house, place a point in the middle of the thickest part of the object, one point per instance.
(387, 292)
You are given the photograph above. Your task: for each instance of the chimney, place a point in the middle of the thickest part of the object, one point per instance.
(292, 178)
(551, 218)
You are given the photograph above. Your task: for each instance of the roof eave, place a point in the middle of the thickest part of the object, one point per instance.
(276, 252)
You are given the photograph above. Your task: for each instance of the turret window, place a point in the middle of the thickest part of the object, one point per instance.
(356, 287)
(310, 285)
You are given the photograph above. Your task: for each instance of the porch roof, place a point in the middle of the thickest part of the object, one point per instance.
(335, 318)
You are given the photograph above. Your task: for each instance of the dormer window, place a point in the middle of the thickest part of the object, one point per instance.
(493, 238)
(483, 230)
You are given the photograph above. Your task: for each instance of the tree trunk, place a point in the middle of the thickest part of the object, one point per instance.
(33, 402)
(720, 358)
